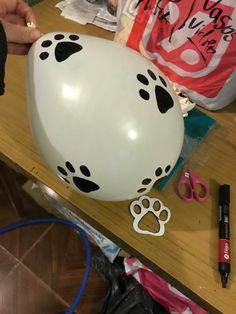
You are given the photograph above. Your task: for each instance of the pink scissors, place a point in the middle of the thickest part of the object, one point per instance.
(190, 181)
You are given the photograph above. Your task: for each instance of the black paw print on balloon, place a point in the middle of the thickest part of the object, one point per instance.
(82, 184)
(164, 100)
(158, 173)
(64, 48)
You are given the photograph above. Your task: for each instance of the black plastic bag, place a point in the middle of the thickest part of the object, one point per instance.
(125, 295)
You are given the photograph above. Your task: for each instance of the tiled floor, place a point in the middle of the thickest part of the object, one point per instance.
(41, 266)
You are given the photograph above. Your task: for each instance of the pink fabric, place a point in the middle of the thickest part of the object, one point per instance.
(190, 42)
(170, 298)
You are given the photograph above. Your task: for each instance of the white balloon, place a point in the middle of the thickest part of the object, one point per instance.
(104, 118)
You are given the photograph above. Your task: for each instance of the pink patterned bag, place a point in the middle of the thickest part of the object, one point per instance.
(193, 42)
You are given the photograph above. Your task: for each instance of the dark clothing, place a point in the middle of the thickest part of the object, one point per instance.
(3, 57)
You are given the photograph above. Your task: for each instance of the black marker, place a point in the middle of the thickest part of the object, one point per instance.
(224, 236)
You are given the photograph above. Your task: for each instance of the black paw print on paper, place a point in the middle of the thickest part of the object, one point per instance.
(158, 173)
(164, 100)
(82, 184)
(64, 48)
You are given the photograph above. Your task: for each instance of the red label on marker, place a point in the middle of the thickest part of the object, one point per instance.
(224, 251)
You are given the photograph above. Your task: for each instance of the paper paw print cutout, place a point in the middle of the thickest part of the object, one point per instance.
(144, 205)
(150, 83)
(83, 184)
(64, 48)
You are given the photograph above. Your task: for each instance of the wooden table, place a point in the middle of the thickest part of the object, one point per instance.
(186, 255)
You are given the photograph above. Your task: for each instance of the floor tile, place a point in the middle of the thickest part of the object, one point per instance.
(7, 263)
(21, 293)
(54, 257)
(59, 260)
(19, 241)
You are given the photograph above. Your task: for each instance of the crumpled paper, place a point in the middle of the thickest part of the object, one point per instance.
(93, 12)
(185, 103)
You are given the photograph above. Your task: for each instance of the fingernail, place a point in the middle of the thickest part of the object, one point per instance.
(31, 25)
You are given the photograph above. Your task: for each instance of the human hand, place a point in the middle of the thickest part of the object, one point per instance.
(14, 16)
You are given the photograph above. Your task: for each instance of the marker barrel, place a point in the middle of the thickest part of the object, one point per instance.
(224, 234)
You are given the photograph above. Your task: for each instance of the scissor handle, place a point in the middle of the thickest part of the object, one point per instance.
(184, 181)
(190, 180)
(195, 180)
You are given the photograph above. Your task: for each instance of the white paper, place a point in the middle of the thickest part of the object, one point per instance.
(83, 12)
